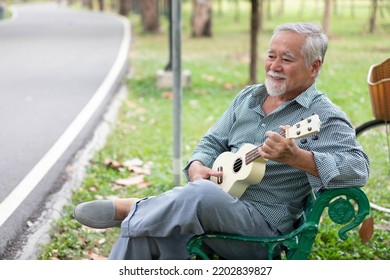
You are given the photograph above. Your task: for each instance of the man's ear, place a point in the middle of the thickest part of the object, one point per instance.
(316, 67)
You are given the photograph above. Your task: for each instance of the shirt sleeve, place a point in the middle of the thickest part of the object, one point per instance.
(216, 139)
(340, 159)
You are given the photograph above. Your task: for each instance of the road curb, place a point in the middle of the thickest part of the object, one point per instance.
(111, 88)
(39, 233)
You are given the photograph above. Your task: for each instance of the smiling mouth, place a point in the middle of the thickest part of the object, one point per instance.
(276, 76)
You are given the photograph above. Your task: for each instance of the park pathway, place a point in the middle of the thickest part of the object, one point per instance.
(59, 68)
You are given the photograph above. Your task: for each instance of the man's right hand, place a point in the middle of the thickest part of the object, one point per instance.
(198, 171)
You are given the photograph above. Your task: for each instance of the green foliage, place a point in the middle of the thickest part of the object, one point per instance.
(329, 246)
(219, 69)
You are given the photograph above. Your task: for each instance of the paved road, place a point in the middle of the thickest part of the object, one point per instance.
(58, 69)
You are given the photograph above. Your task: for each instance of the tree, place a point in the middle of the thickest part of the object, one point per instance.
(101, 5)
(326, 18)
(88, 4)
(372, 22)
(255, 19)
(201, 18)
(124, 7)
(280, 11)
(149, 15)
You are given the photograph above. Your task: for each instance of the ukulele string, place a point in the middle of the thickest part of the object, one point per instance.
(254, 154)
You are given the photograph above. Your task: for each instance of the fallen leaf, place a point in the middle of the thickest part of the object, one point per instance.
(201, 92)
(144, 185)
(95, 256)
(133, 162)
(140, 111)
(210, 78)
(228, 86)
(168, 95)
(130, 104)
(140, 170)
(385, 226)
(130, 127)
(367, 229)
(132, 180)
(89, 229)
(112, 163)
(102, 241)
(81, 240)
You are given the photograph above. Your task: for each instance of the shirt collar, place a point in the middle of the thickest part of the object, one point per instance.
(304, 99)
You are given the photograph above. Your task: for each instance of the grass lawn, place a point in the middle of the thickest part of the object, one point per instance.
(219, 68)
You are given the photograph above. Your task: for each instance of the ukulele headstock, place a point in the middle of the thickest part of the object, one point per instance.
(306, 127)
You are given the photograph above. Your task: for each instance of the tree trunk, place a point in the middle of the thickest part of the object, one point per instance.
(101, 5)
(260, 15)
(149, 16)
(201, 18)
(335, 8)
(280, 11)
(237, 10)
(381, 8)
(88, 4)
(372, 23)
(124, 7)
(268, 13)
(253, 40)
(326, 19)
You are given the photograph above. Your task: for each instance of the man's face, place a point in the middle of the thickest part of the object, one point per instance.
(286, 71)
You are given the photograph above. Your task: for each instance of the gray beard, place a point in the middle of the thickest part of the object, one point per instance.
(275, 89)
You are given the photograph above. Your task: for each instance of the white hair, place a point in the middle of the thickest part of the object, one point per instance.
(316, 41)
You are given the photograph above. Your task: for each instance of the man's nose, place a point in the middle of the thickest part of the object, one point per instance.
(276, 65)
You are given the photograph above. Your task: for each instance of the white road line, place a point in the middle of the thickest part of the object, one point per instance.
(32, 179)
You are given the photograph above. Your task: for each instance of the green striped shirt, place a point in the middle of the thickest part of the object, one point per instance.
(281, 193)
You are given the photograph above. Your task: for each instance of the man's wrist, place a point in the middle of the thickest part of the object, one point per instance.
(197, 162)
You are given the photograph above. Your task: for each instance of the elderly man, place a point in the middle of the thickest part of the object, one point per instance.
(159, 227)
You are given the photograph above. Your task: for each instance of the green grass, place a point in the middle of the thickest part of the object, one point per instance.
(219, 69)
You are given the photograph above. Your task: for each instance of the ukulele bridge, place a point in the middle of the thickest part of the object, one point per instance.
(220, 179)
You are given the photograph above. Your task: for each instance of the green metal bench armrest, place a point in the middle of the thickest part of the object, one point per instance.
(341, 204)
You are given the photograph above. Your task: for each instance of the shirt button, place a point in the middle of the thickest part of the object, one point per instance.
(263, 125)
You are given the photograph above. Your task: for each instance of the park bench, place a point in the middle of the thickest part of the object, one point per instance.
(347, 207)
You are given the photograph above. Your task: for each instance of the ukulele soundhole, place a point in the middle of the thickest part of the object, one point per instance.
(237, 165)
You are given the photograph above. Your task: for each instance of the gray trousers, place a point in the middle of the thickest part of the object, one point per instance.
(159, 227)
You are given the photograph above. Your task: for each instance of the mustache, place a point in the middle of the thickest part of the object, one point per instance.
(276, 75)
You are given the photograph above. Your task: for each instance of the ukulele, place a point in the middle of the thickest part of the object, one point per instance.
(246, 167)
